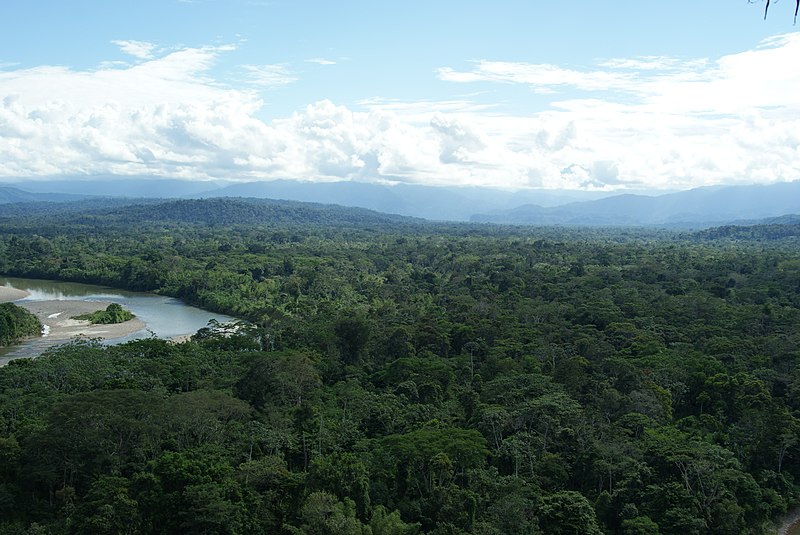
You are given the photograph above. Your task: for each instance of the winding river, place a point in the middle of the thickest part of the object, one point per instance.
(164, 317)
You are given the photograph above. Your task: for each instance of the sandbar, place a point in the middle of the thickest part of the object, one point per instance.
(8, 294)
(56, 316)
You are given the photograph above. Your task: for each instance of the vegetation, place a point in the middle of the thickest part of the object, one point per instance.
(401, 378)
(114, 313)
(17, 323)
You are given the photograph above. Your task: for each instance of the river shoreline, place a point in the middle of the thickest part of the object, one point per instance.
(9, 294)
(791, 523)
(56, 302)
(58, 322)
(56, 317)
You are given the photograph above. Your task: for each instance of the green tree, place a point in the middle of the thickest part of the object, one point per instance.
(567, 513)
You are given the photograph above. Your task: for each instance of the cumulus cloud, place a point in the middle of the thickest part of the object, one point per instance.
(664, 122)
(459, 142)
(653, 121)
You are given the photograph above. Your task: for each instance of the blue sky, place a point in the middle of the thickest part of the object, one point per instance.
(583, 95)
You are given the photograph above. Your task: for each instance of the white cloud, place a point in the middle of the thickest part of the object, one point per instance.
(654, 121)
(137, 49)
(540, 76)
(173, 78)
(669, 122)
(321, 61)
(735, 83)
(420, 112)
(653, 63)
(269, 75)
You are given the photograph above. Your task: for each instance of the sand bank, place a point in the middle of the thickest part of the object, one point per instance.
(56, 316)
(181, 338)
(8, 294)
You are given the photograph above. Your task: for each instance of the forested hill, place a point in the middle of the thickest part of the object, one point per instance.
(242, 211)
(777, 228)
(22, 211)
(214, 212)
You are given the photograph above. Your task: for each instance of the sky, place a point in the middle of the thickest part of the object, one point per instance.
(580, 94)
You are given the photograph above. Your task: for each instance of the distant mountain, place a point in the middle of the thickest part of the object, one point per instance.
(700, 207)
(429, 202)
(232, 211)
(135, 187)
(415, 200)
(15, 195)
(697, 207)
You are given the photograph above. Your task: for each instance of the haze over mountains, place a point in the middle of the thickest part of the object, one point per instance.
(428, 202)
(16, 195)
(703, 206)
(697, 207)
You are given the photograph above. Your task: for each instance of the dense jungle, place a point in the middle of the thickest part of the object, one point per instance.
(392, 376)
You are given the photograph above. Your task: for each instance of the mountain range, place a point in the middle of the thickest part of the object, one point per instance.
(699, 208)
(428, 202)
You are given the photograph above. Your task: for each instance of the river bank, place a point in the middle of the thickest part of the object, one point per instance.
(56, 302)
(791, 523)
(9, 294)
(56, 317)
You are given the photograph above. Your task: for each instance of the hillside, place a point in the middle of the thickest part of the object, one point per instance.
(226, 211)
(776, 228)
(213, 212)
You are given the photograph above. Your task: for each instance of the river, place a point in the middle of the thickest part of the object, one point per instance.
(791, 524)
(164, 317)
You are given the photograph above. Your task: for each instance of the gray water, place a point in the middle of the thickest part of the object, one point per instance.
(164, 317)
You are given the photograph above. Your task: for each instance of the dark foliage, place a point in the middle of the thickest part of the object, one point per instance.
(16, 323)
(410, 379)
(114, 313)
